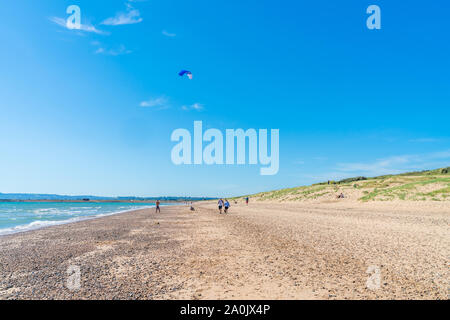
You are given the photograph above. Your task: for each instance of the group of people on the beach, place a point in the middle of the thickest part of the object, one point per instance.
(225, 204)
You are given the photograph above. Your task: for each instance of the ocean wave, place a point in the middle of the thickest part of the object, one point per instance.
(48, 223)
(34, 225)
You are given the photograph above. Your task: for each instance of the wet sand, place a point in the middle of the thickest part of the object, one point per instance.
(263, 251)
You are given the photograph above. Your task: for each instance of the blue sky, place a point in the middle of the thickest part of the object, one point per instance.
(91, 111)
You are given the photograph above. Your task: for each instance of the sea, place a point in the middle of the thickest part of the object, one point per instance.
(23, 216)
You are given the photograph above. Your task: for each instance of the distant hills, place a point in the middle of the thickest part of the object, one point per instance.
(57, 197)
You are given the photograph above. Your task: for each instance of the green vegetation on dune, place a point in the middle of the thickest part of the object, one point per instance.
(414, 186)
(403, 190)
(297, 193)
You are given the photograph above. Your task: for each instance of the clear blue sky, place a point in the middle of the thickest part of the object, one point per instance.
(347, 100)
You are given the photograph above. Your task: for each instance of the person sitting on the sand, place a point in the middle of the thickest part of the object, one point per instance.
(220, 203)
(227, 205)
(157, 206)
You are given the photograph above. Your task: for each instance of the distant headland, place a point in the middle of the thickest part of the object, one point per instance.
(35, 197)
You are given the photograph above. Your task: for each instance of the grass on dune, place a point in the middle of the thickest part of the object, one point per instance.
(416, 186)
(402, 191)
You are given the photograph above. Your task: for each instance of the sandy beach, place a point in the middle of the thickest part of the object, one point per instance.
(268, 250)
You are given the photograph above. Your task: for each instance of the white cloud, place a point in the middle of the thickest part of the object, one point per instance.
(424, 140)
(389, 165)
(160, 103)
(132, 16)
(113, 52)
(397, 164)
(195, 106)
(441, 154)
(168, 34)
(83, 27)
(322, 176)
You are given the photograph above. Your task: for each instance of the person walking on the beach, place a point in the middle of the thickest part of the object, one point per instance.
(227, 205)
(220, 203)
(246, 201)
(157, 206)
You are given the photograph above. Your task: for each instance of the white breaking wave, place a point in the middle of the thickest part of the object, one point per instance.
(43, 223)
(34, 225)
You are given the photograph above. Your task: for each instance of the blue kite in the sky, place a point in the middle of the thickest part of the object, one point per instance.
(185, 72)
